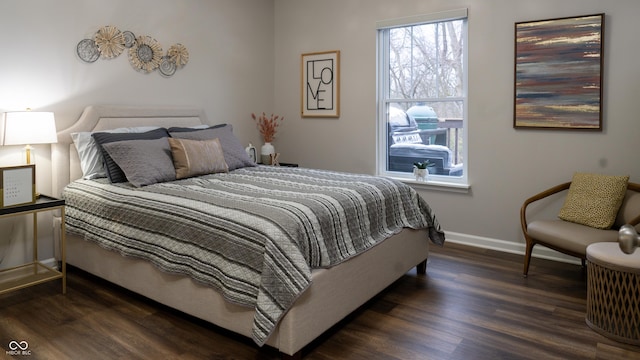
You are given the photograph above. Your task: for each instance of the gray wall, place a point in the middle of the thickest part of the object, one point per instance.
(505, 165)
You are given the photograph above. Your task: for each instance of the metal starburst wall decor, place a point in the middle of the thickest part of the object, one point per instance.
(110, 41)
(145, 53)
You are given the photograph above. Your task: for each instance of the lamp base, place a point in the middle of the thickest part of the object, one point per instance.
(29, 152)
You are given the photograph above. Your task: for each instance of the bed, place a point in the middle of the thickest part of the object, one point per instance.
(287, 315)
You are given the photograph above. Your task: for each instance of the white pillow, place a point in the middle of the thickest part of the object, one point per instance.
(90, 156)
(199, 127)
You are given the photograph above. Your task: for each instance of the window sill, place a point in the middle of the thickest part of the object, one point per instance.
(436, 185)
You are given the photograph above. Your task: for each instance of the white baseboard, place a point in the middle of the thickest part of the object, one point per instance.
(508, 247)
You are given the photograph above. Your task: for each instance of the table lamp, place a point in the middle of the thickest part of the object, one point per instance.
(28, 128)
(628, 239)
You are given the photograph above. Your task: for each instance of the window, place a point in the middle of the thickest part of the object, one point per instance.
(422, 96)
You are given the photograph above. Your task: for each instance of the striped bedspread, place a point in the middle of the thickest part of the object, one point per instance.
(254, 234)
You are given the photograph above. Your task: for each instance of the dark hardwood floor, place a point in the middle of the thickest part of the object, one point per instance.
(472, 304)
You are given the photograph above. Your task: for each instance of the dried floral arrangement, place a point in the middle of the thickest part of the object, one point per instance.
(145, 53)
(268, 126)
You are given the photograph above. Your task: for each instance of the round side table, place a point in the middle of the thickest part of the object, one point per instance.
(613, 292)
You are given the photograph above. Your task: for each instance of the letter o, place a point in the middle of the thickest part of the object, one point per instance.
(326, 75)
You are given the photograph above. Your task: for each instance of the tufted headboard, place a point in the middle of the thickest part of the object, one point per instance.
(64, 157)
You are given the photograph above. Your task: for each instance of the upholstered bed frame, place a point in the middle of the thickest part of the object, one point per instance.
(335, 292)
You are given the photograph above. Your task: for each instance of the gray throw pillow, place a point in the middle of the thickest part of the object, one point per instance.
(234, 153)
(114, 173)
(144, 162)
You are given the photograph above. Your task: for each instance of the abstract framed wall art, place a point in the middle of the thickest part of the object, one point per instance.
(558, 73)
(320, 88)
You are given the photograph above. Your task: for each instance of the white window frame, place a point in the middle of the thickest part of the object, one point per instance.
(452, 183)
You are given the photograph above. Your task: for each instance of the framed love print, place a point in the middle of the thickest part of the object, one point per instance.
(320, 88)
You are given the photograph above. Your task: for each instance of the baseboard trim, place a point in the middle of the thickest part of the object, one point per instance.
(508, 247)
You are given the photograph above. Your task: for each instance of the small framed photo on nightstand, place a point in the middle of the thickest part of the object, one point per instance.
(18, 184)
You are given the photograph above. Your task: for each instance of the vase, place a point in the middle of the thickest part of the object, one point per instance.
(251, 151)
(420, 174)
(265, 153)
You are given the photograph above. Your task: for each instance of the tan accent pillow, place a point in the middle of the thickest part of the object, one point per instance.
(594, 199)
(197, 157)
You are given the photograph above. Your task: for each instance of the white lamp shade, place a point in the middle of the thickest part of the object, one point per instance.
(28, 128)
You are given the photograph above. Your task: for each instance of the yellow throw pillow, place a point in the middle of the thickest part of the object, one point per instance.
(594, 199)
(197, 157)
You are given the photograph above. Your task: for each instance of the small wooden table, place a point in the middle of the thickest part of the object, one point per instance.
(613, 292)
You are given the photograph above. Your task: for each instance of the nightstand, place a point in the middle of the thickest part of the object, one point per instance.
(35, 272)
